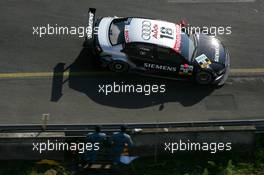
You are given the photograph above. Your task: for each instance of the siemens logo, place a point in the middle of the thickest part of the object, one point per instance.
(160, 67)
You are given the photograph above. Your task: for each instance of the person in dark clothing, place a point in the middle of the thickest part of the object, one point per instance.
(95, 137)
(120, 141)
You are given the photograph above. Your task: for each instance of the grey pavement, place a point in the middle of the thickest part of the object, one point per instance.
(24, 100)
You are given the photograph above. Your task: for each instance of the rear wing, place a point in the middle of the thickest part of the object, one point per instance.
(90, 28)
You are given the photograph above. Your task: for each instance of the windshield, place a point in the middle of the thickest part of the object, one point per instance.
(187, 46)
(116, 31)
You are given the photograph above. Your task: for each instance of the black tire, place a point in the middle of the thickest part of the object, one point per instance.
(118, 66)
(204, 77)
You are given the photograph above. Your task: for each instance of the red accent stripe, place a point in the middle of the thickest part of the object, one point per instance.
(177, 44)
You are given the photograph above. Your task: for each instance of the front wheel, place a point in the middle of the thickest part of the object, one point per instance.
(119, 66)
(204, 77)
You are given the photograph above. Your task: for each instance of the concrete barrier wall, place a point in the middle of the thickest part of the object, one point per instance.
(144, 143)
(149, 143)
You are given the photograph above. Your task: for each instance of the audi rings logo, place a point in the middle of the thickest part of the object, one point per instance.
(146, 30)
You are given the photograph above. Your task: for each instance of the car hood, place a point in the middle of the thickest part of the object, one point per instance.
(211, 47)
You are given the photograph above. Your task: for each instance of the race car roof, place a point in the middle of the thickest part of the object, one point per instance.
(153, 31)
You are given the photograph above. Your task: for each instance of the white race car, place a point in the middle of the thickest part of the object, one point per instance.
(156, 47)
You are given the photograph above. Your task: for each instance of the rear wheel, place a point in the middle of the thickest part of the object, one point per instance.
(119, 66)
(204, 77)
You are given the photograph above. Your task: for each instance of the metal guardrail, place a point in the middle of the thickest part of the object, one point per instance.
(258, 124)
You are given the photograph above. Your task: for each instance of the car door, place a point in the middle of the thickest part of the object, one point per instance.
(174, 65)
(157, 60)
(141, 54)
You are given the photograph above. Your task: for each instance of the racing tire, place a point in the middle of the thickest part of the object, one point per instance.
(204, 77)
(118, 66)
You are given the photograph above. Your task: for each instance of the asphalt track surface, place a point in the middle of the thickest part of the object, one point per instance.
(28, 88)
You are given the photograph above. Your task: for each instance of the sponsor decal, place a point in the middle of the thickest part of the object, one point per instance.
(126, 34)
(149, 30)
(90, 26)
(217, 54)
(155, 31)
(146, 30)
(203, 61)
(160, 67)
(215, 43)
(186, 69)
(177, 44)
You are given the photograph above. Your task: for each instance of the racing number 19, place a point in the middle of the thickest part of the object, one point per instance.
(166, 33)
